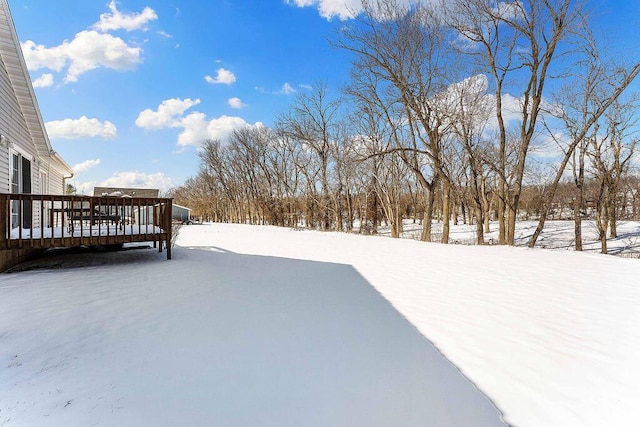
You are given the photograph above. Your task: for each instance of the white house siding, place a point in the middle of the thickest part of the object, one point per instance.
(4, 170)
(14, 129)
(56, 182)
(12, 123)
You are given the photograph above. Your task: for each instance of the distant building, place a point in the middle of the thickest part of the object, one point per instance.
(180, 213)
(141, 193)
(146, 215)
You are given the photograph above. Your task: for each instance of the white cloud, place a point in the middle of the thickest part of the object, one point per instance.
(90, 50)
(196, 127)
(194, 130)
(235, 103)
(130, 179)
(135, 179)
(223, 76)
(83, 166)
(287, 89)
(39, 56)
(512, 107)
(508, 10)
(221, 127)
(117, 20)
(83, 127)
(342, 9)
(87, 51)
(168, 114)
(349, 9)
(546, 146)
(84, 187)
(45, 80)
(93, 48)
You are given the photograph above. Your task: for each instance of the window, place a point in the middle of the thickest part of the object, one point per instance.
(20, 183)
(15, 172)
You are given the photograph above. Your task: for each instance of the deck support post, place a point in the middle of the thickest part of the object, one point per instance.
(169, 224)
(4, 221)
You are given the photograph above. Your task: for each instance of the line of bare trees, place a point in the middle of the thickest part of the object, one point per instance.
(467, 110)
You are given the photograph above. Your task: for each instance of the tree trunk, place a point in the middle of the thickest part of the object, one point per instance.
(428, 216)
(613, 220)
(511, 211)
(446, 211)
(602, 231)
(350, 215)
(579, 200)
(601, 217)
(577, 220)
(502, 229)
(487, 218)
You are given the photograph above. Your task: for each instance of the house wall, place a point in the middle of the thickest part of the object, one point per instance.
(56, 182)
(4, 170)
(12, 123)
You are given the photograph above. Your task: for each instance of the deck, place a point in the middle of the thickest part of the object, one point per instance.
(40, 221)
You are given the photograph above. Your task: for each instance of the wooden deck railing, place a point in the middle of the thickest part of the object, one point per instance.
(43, 221)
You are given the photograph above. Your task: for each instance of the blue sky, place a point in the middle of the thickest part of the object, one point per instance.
(129, 89)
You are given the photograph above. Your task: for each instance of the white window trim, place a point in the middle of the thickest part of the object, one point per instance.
(43, 180)
(17, 149)
(13, 153)
(22, 155)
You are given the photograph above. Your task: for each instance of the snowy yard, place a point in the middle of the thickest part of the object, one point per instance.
(273, 327)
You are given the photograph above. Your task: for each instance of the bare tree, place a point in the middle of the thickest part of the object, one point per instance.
(469, 118)
(400, 66)
(517, 38)
(610, 156)
(387, 171)
(215, 166)
(312, 122)
(593, 89)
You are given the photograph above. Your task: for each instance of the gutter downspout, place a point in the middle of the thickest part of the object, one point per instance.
(60, 160)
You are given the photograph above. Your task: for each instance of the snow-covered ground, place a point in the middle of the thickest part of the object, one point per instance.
(267, 326)
(556, 235)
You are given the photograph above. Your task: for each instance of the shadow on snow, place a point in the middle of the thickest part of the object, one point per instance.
(271, 341)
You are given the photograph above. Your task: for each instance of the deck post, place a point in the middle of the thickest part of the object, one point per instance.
(4, 221)
(169, 222)
(161, 223)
